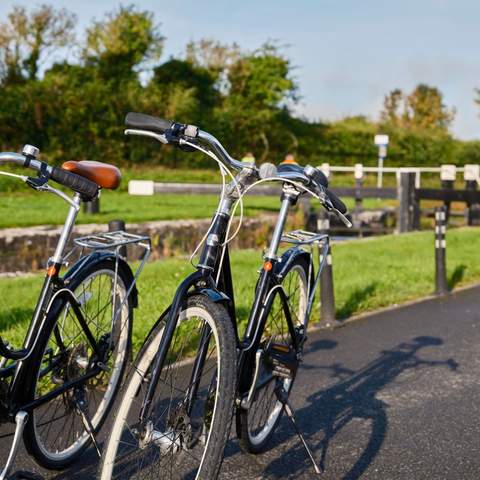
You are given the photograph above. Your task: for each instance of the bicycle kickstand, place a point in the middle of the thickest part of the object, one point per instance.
(283, 397)
(20, 421)
(83, 410)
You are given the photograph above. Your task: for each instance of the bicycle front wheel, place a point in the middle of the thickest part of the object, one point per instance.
(58, 431)
(188, 424)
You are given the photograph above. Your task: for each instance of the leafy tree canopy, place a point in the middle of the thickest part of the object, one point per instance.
(422, 109)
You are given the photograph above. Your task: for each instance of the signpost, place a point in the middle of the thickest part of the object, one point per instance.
(381, 141)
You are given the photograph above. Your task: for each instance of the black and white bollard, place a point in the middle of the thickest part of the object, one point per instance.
(441, 286)
(327, 296)
(115, 226)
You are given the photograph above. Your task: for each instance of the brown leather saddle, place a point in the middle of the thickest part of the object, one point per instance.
(103, 174)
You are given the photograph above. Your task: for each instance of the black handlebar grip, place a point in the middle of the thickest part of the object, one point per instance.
(336, 202)
(319, 177)
(81, 185)
(140, 121)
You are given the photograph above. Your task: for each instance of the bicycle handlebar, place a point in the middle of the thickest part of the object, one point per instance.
(170, 132)
(83, 186)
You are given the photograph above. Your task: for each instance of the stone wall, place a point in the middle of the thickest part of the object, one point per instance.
(27, 249)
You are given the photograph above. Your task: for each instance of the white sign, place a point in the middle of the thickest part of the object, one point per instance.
(381, 140)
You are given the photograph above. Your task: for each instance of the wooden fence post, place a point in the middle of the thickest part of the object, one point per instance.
(92, 207)
(471, 175)
(325, 168)
(408, 205)
(327, 296)
(115, 226)
(358, 174)
(448, 174)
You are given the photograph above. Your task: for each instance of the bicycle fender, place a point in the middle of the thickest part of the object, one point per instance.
(97, 257)
(213, 294)
(287, 258)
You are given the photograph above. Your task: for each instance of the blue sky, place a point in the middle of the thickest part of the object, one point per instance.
(347, 53)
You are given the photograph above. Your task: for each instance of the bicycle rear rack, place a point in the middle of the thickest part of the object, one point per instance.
(302, 237)
(117, 241)
(111, 240)
(312, 241)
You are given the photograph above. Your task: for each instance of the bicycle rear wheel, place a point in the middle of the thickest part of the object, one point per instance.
(184, 437)
(256, 424)
(57, 432)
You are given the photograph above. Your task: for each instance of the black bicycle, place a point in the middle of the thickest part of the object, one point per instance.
(60, 386)
(174, 416)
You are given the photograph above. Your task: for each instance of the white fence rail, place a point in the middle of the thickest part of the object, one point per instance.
(446, 172)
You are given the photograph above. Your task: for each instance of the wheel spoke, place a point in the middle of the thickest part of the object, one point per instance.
(177, 448)
(265, 408)
(58, 428)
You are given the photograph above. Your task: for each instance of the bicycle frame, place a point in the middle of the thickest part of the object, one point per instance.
(213, 278)
(51, 284)
(54, 294)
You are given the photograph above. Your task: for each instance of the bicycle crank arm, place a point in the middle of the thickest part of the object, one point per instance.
(246, 401)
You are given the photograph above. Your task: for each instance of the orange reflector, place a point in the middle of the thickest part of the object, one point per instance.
(267, 266)
(51, 271)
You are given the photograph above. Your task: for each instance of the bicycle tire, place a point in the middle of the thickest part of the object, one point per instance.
(124, 443)
(46, 451)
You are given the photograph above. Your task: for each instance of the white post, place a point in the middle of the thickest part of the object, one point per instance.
(381, 141)
(325, 168)
(448, 172)
(471, 173)
(418, 178)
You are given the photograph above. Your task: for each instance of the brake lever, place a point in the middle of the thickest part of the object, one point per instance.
(326, 202)
(343, 218)
(146, 133)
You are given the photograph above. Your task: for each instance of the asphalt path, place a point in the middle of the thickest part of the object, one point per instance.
(395, 395)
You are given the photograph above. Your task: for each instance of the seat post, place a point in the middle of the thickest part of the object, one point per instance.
(67, 230)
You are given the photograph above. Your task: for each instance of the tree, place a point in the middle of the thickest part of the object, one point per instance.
(423, 109)
(260, 88)
(187, 75)
(391, 107)
(123, 43)
(26, 40)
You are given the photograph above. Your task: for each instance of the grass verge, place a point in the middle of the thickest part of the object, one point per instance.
(368, 274)
(28, 209)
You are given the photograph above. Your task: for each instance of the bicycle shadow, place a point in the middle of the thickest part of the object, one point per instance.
(352, 398)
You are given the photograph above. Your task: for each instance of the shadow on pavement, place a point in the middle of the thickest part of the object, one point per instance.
(353, 397)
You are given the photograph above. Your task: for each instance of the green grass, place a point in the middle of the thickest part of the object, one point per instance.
(35, 208)
(23, 210)
(368, 274)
